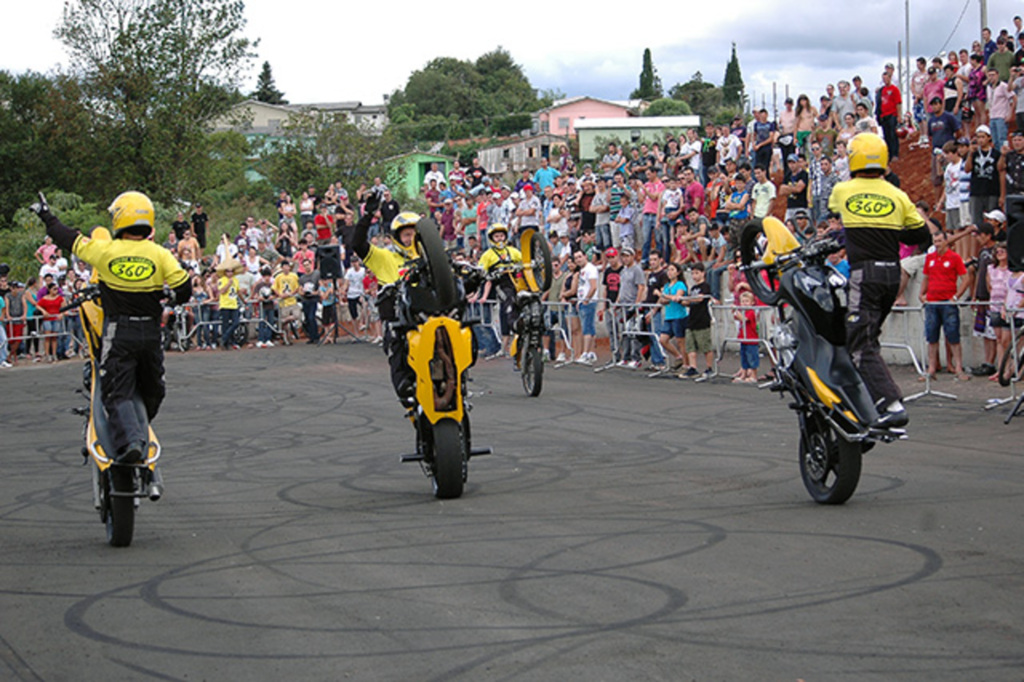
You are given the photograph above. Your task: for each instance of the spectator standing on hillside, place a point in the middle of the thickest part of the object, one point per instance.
(199, 221)
(890, 108)
(1002, 104)
(982, 165)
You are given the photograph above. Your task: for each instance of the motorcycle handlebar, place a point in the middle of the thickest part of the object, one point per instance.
(89, 293)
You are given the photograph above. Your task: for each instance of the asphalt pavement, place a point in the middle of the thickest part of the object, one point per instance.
(624, 529)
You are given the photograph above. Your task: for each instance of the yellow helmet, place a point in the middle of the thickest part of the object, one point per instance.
(497, 227)
(868, 151)
(131, 210)
(403, 220)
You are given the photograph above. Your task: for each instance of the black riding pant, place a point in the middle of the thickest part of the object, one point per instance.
(132, 361)
(396, 346)
(873, 289)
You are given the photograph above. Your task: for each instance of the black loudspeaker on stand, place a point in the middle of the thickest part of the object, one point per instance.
(330, 262)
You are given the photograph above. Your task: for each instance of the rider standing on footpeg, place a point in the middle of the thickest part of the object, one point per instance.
(133, 272)
(877, 218)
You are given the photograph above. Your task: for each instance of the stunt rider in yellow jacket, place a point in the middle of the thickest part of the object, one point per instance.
(877, 218)
(132, 273)
(387, 265)
(499, 254)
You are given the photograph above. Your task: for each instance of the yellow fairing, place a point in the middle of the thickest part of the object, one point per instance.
(526, 247)
(421, 350)
(826, 394)
(780, 239)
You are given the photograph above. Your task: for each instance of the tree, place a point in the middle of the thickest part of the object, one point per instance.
(732, 86)
(323, 147)
(650, 84)
(456, 98)
(156, 74)
(265, 90)
(703, 98)
(668, 107)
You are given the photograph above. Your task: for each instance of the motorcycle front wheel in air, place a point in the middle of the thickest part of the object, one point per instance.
(120, 511)
(449, 466)
(532, 370)
(829, 465)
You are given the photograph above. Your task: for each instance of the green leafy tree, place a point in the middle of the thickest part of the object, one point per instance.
(668, 107)
(650, 84)
(323, 148)
(452, 98)
(703, 98)
(732, 86)
(156, 74)
(266, 90)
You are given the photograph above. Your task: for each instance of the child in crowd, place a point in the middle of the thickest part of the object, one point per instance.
(698, 331)
(747, 318)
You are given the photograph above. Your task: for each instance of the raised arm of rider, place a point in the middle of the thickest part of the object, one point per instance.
(360, 237)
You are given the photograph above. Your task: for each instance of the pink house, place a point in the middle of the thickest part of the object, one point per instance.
(560, 118)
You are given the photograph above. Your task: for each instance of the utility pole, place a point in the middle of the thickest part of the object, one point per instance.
(910, 63)
(984, 14)
(899, 64)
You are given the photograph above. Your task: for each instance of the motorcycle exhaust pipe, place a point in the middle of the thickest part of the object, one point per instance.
(95, 486)
(156, 485)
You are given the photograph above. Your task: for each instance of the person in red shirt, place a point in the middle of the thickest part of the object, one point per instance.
(51, 304)
(890, 110)
(944, 282)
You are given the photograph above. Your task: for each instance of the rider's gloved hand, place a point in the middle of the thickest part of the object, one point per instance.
(371, 202)
(40, 208)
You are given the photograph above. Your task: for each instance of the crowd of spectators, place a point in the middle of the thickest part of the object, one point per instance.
(655, 226)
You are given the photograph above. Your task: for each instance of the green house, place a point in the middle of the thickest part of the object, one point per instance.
(405, 172)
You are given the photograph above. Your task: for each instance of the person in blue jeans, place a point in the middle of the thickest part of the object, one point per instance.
(657, 277)
(673, 331)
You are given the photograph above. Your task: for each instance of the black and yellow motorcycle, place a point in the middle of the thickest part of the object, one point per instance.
(429, 308)
(809, 356)
(117, 488)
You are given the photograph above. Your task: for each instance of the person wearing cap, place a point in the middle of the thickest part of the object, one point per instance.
(529, 210)
(982, 164)
(877, 217)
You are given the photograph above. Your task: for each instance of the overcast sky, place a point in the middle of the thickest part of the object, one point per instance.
(338, 51)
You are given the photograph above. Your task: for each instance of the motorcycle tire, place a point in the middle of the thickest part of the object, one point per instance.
(537, 253)
(532, 370)
(449, 464)
(764, 288)
(829, 465)
(167, 339)
(441, 276)
(241, 335)
(120, 516)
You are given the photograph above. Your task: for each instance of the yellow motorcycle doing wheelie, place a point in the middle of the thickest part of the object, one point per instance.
(527, 346)
(429, 308)
(117, 488)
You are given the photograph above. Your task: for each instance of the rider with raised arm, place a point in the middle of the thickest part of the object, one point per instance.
(877, 218)
(132, 272)
(387, 265)
(498, 255)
